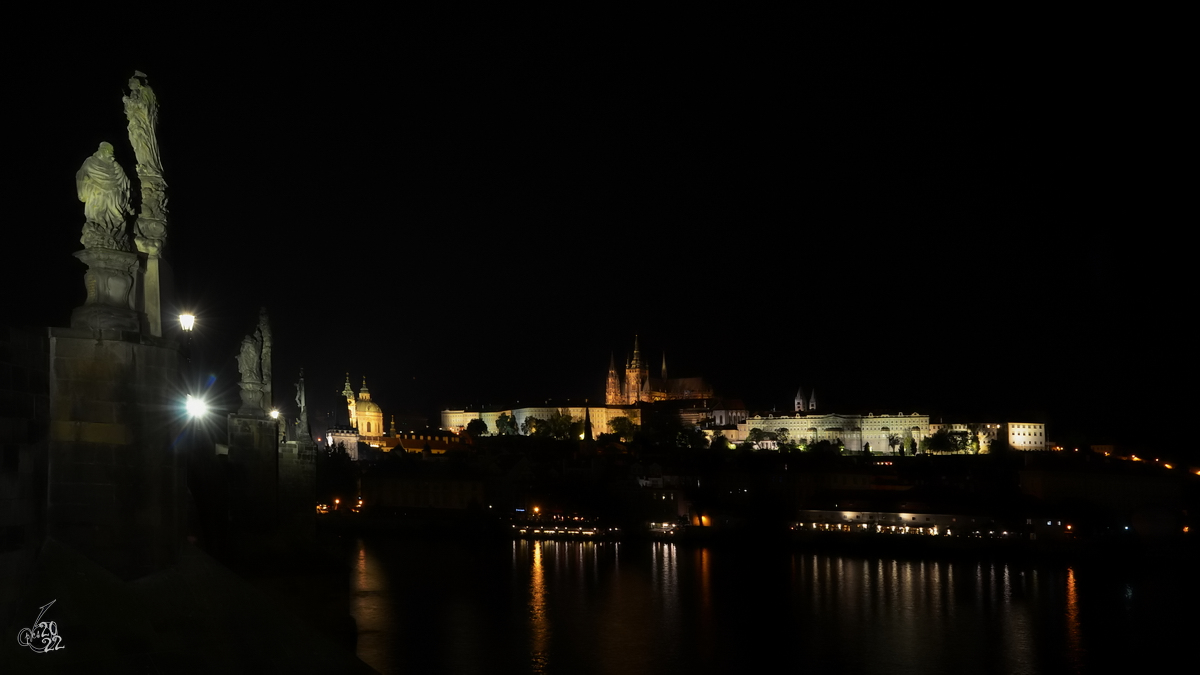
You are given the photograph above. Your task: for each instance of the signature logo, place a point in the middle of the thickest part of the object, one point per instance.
(43, 637)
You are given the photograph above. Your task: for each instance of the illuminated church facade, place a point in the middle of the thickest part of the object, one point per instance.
(366, 417)
(638, 387)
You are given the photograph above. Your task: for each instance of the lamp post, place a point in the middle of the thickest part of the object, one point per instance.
(187, 322)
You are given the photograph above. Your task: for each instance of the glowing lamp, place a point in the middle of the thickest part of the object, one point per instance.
(274, 414)
(187, 321)
(195, 407)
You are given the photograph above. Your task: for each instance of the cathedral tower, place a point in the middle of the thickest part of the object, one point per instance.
(637, 377)
(612, 391)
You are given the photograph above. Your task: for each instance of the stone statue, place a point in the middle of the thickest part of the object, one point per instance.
(141, 108)
(302, 404)
(104, 190)
(248, 360)
(263, 333)
(150, 227)
(300, 401)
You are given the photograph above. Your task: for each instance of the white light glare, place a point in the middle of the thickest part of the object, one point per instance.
(187, 321)
(196, 407)
(274, 414)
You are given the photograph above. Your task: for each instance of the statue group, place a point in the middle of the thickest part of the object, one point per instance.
(122, 279)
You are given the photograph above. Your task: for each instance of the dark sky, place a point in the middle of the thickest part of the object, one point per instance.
(905, 213)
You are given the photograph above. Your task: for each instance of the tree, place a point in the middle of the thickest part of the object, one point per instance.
(755, 435)
(823, 447)
(691, 437)
(960, 441)
(999, 446)
(623, 427)
(506, 425)
(893, 440)
(974, 430)
(938, 442)
(530, 426)
(477, 428)
(559, 425)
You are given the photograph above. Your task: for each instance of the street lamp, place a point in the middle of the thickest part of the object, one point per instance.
(187, 322)
(196, 407)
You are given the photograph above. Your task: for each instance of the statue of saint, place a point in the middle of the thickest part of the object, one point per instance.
(104, 190)
(248, 361)
(263, 334)
(141, 108)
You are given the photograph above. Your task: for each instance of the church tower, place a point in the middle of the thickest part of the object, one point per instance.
(637, 377)
(800, 404)
(350, 403)
(612, 391)
(812, 401)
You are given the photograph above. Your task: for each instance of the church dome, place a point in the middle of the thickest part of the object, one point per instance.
(367, 406)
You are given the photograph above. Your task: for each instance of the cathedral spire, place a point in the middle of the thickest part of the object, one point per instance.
(612, 388)
(587, 421)
(664, 368)
(800, 404)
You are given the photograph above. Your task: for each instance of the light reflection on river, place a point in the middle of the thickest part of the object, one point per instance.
(626, 608)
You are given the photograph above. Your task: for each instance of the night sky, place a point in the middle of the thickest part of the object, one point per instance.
(906, 215)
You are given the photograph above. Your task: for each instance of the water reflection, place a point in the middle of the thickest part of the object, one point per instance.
(1074, 638)
(551, 606)
(539, 623)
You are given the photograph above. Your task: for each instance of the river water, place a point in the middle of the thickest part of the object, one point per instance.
(626, 608)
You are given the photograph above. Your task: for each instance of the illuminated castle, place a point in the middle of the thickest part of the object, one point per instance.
(639, 387)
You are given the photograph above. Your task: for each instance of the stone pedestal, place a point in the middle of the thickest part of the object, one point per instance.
(116, 482)
(252, 399)
(154, 285)
(109, 281)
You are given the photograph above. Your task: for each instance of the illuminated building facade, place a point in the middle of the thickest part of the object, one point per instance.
(855, 432)
(366, 417)
(457, 420)
(1022, 436)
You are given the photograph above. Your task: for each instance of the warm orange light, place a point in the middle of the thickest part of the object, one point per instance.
(1068, 527)
(1168, 466)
